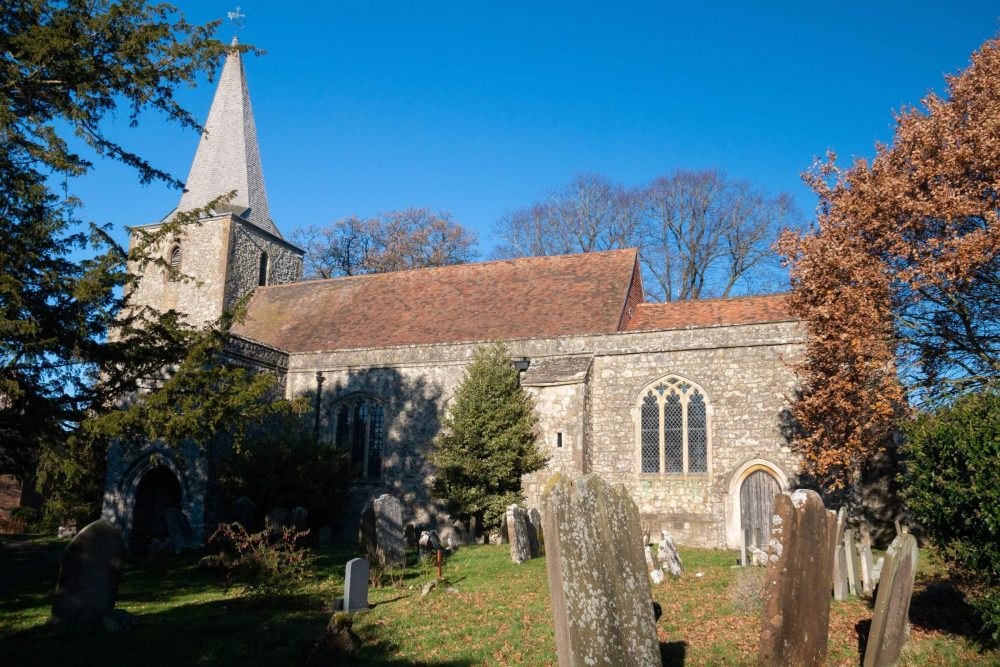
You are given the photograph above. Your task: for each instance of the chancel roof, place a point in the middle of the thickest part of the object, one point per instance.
(709, 312)
(530, 297)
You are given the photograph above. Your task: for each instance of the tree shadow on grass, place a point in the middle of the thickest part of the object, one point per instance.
(673, 653)
(941, 606)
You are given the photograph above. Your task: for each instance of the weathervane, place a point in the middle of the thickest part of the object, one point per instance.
(237, 18)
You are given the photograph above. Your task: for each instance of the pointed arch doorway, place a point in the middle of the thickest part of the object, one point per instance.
(158, 490)
(757, 491)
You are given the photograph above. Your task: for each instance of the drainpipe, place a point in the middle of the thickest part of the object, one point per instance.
(319, 398)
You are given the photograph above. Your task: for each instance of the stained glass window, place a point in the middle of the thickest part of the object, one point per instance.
(650, 434)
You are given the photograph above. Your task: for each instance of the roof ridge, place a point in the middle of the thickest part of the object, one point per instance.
(428, 269)
(714, 298)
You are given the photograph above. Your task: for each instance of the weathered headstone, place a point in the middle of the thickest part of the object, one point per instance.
(841, 525)
(840, 587)
(89, 572)
(864, 536)
(867, 570)
(600, 592)
(518, 530)
(410, 536)
(179, 529)
(743, 547)
(389, 529)
(892, 605)
(324, 537)
(535, 519)
(655, 573)
(429, 541)
(275, 520)
(245, 513)
(299, 517)
(877, 570)
(853, 563)
(356, 585)
(796, 617)
(504, 536)
(670, 560)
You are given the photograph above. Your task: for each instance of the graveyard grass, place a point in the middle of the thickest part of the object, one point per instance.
(500, 614)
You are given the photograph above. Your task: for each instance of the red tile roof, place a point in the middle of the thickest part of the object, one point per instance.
(706, 312)
(519, 298)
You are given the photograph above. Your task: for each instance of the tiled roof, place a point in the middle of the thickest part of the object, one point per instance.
(708, 312)
(228, 157)
(501, 300)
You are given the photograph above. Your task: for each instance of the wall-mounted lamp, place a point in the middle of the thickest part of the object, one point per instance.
(522, 364)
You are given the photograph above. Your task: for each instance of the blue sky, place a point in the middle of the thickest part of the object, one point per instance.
(477, 107)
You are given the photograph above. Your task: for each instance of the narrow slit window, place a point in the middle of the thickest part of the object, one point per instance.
(262, 271)
(175, 262)
(558, 439)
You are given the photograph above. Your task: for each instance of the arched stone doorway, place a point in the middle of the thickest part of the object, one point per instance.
(757, 493)
(158, 490)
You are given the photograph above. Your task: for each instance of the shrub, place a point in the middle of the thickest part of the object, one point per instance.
(748, 589)
(951, 486)
(266, 565)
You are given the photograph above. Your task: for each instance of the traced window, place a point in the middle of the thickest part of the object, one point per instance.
(673, 428)
(262, 271)
(175, 262)
(360, 422)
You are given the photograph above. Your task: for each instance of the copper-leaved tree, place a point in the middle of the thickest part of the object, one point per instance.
(898, 280)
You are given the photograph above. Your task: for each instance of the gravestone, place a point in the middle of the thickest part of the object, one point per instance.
(892, 605)
(853, 564)
(324, 536)
(518, 530)
(841, 525)
(877, 570)
(381, 531)
(245, 513)
(299, 517)
(89, 572)
(276, 520)
(840, 588)
(429, 542)
(864, 536)
(356, 585)
(867, 570)
(796, 616)
(743, 547)
(504, 537)
(601, 599)
(535, 519)
(670, 560)
(410, 536)
(655, 573)
(178, 528)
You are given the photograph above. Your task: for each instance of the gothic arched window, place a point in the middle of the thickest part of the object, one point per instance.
(175, 262)
(673, 428)
(262, 270)
(360, 422)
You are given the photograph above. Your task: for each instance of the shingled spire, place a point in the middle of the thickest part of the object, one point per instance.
(228, 157)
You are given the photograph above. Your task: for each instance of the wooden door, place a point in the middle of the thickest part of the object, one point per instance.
(757, 505)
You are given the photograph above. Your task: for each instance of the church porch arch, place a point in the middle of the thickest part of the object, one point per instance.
(753, 478)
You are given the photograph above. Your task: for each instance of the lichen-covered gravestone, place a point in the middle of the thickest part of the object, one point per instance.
(179, 529)
(840, 588)
(518, 530)
(537, 532)
(892, 605)
(796, 617)
(670, 559)
(867, 570)
(853, 563)
(89, 572)
(600, 591)
(655, 573)
(382, 530)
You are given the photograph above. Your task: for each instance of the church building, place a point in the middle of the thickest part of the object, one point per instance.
(685, 403)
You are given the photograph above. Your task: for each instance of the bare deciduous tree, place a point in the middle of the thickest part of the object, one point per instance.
(409, 239)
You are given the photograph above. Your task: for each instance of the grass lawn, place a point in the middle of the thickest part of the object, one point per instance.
(499, 614)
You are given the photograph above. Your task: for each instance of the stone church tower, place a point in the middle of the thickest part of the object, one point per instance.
(236, 247)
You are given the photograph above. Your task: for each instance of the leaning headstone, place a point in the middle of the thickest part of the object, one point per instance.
(867, 570)
(179, 529)
(670, 560)
(877, 570)
(356, 585)
(518, 529)
(892, 606)
(853, 564)
(389, 529)
(276, 520)
(535, 519)
(796, 617)
(601, 599)
(89, 571)
(299, 517)
(840, 587)
(245, 513)
(655, 573)
(324, 537)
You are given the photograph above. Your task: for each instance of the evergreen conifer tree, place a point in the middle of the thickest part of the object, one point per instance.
(487, 442)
